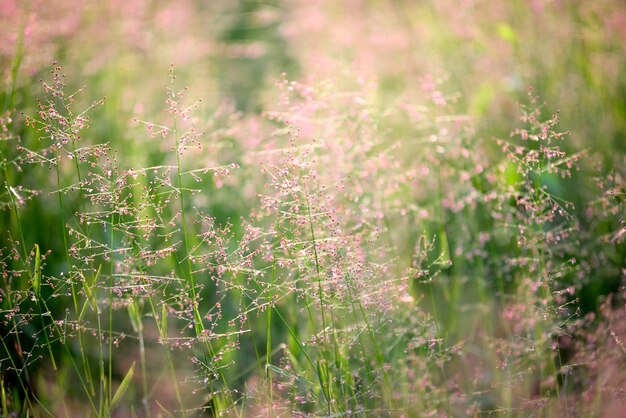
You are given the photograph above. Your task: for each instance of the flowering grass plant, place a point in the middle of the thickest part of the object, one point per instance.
(351, 241)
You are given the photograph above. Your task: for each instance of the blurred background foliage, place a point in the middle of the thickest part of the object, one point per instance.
(571, 52)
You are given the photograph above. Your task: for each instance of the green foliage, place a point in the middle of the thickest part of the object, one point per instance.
(381, 237)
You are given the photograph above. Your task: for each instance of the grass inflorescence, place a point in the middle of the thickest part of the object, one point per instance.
(359, 240)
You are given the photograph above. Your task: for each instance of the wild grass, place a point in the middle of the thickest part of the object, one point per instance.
(359, 240)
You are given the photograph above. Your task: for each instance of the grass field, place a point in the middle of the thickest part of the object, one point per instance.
(313, 208)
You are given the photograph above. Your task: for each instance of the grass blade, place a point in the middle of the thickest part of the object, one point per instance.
(121, 390)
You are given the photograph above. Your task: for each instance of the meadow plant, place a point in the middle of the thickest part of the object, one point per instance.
(377, 260)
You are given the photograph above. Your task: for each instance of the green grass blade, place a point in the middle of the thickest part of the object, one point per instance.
(119, 393)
